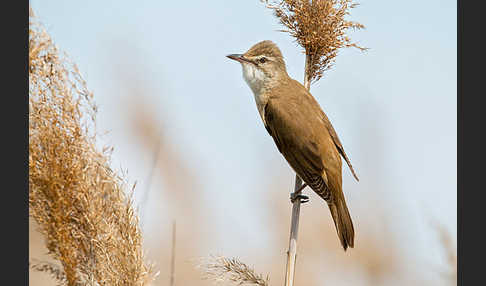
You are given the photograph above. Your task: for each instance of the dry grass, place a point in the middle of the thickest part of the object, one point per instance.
(220, 269)
(48, 267)
(77, 201)
(320, 27)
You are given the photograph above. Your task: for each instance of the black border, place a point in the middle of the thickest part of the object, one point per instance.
(14, 119)
(470, 143)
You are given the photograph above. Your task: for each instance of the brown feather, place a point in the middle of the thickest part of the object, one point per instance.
(338, 144)
(307, 140)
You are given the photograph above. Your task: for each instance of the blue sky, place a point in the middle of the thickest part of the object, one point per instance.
(394, 107)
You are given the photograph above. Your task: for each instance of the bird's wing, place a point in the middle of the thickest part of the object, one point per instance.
(303, 157)
(337, 142)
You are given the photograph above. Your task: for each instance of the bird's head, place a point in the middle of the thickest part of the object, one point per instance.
(262, 64)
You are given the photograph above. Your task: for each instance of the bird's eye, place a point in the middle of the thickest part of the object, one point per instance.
(263, 60)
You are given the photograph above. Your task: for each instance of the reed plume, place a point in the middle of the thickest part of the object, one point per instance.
(319, 27)
(222, 269)
(53, 269)
(78, 202)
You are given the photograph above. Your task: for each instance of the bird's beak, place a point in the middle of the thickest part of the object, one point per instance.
(238, 57)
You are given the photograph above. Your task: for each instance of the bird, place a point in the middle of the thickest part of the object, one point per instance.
(300, 129)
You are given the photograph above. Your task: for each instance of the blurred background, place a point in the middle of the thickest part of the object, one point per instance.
(185, 128)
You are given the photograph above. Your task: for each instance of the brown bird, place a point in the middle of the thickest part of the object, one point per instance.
(300, 129)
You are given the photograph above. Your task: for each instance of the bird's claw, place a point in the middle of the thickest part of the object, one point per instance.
(303, 198)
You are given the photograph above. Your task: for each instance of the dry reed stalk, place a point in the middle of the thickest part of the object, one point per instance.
(222, 269)
(450, 251)
(294, 222)
(319, 27)
(178, 177)
(175, 171)
(76, 199)
(294, 231)
(173, 254)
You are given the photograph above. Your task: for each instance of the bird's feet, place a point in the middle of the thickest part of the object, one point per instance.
(298, 195)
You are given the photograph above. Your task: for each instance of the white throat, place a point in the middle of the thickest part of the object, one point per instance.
(255, 79)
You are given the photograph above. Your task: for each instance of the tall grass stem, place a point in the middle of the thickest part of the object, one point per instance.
(294, 225)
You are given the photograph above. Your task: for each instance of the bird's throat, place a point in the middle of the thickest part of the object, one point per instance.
(255, 78)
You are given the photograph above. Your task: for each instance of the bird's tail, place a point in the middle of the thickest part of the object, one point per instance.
(342, 221)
